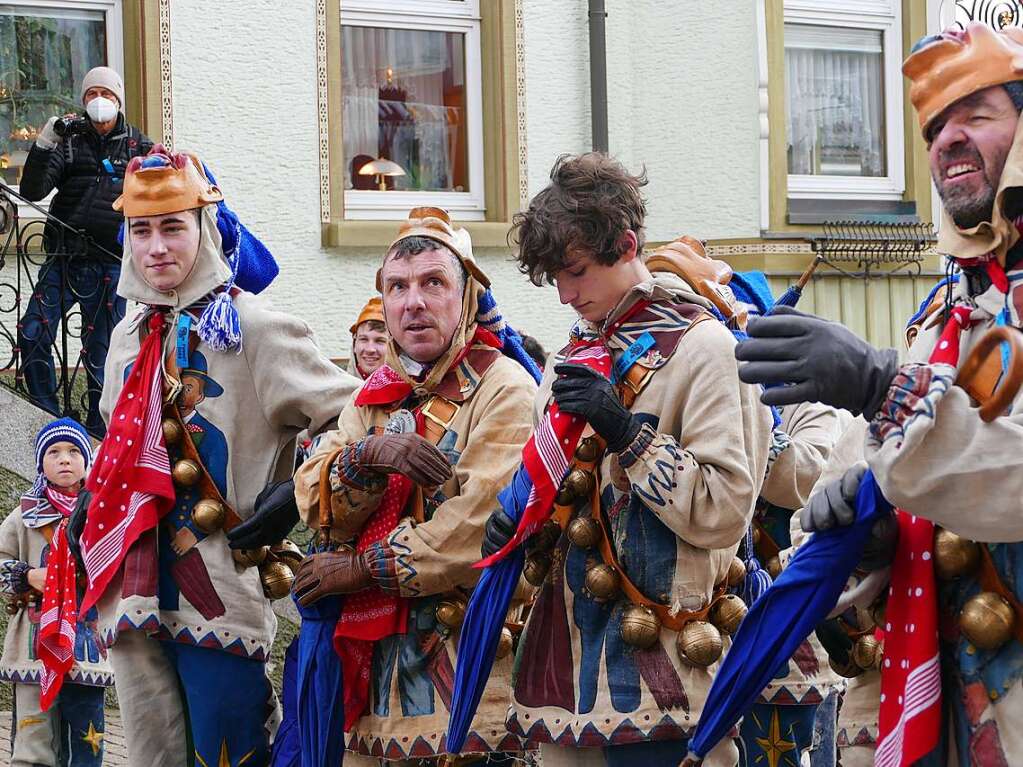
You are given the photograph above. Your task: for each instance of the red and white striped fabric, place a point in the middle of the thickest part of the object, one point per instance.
(909, 724)
(131, 480)
(59, 618)
(547, 454)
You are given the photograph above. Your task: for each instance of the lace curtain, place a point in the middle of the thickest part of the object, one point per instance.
(834, 102)
(403, 97)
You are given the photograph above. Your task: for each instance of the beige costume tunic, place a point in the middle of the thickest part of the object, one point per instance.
(678, 502)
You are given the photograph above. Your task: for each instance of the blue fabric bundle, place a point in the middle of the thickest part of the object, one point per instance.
(488, 316)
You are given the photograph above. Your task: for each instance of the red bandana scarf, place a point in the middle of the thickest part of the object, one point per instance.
(131, 480)
(59, 617)
(371, 615)
(909, 725)
(549, 450)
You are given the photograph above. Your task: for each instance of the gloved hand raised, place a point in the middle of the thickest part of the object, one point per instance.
(822, 361)
(500, 529)
(585, 392)
(274, 514)
(407, 454)
(47, 138)
(332, 572)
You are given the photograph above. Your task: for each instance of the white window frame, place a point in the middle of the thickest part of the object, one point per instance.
(886, 17)
(112, 15)
(462, 16)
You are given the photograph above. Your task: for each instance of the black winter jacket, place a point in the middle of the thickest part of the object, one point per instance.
(86, 189)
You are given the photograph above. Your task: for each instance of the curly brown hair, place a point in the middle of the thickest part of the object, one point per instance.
(591, 202)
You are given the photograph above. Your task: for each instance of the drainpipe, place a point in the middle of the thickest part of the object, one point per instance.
(598, 76)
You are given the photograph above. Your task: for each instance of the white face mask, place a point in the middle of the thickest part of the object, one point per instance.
(101, 109)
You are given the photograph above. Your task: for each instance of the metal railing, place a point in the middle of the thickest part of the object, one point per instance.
(58, 305)
(866, 248)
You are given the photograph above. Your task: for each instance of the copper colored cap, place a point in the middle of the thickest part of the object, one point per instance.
(435, 224)
(960, 63)
(373, 310)
(163, 182)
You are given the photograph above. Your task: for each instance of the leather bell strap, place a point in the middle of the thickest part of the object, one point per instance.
(990, 580)
(207, 487)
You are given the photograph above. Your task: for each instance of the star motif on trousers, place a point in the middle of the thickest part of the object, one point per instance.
(94, 738)
(224, 760)
(774, 746)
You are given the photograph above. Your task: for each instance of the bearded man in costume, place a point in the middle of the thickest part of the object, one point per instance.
(951, 472)
(202, 364)
(665, 451)
(412, 473)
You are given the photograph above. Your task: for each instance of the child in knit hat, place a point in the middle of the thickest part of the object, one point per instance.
(70, 732)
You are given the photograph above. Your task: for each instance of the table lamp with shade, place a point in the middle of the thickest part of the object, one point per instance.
(381, 168)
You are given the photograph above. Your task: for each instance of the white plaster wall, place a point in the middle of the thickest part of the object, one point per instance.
(681, 101)
(244, 76)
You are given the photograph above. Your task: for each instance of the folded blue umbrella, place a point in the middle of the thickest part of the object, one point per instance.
(484, 619)
(318, 685)
(287, 750)
(778, 622)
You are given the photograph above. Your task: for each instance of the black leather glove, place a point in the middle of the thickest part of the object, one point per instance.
(500, 529)
(834, 505)
(583, 391)
(76, 526)
(835, 641)
(822, 361)
(274, 514)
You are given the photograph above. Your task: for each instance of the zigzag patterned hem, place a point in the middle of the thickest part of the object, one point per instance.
(590, 737)
(250, 649)
(75, 676)
(419, 747)
(785, 696)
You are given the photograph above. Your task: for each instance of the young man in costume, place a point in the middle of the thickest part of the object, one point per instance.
(369, 339)
(953, 473)
(412, 472)
(206, 388)
(665, 451)
(58, 700)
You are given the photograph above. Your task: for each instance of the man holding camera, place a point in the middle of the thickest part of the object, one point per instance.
(83, 158)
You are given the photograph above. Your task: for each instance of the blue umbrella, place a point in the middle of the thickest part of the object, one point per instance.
(287, 751)
(776, 624)
(484, 619)
(791, 296)
(318, 686)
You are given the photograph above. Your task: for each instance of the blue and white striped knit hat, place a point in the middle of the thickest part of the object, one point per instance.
(63, 430)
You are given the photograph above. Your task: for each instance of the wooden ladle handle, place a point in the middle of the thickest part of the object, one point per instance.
(1008, 387)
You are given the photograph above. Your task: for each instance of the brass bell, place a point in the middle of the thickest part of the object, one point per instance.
(849, 670)
(547, 537)
(584, 532)
(640, 626)
(773, 567)
(249, 557)
(12, 607)
(288, 552)
(186, 472)
(586, 451)
(536, 568)
(987, 620)
(736, 572)
(579, 483)
(954, 555)
(602, 582)
(699, 644)
(505, 644)
(867, 652)
(564, 497)
(277, 579)
(451, 613)
(756, 535)
(208, 515)
(727, 613)
(877, 612)
(172, 431)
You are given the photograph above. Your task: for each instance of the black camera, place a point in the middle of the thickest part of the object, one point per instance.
(68, 126)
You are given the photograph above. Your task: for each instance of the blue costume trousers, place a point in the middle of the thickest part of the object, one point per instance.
(780, 734)
(70, 734)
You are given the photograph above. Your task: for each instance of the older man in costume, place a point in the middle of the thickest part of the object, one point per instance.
(951, 469)
(666, 451)
(206, 387)
(412, 474)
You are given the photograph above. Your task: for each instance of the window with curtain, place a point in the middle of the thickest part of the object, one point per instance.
(411, 103)
(835, 101)
(404, 101)
(44, 55)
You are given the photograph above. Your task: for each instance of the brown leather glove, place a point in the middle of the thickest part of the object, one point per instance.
(332, 572)
(407, 454)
